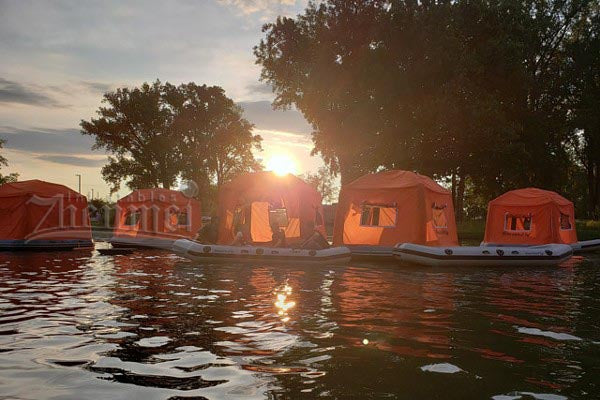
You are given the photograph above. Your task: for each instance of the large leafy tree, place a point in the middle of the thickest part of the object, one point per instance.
(4, 162)
(216, 141)
(583, 52)
(136, 127)
(322, 63)
(473, 91)
(160, 132)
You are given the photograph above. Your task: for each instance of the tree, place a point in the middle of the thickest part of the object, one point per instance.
(323, 64)
(473, 91)
(136, 128)
(13, 177)
(323, 182)
(583, 52)
(217, 142)
(160, 132)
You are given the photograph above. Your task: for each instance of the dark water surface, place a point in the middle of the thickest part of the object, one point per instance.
(77, 325)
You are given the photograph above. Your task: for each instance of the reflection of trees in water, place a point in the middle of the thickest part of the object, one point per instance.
(289, 328)
(518, 303)
(43, 278)
(397, 311)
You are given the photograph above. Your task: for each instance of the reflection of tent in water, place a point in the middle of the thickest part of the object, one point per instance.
(149, 217)
(390, 307)
(38, 214)
(258, 200)
(389, 207)
(530, 216)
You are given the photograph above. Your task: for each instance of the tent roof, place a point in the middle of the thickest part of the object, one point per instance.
(37, 187)
(156, 195)
(395, 179)
(257, 182)
(529, 197)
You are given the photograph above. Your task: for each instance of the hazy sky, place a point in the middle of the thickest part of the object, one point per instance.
(59, 57)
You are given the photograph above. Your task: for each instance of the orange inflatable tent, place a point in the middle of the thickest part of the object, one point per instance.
(392, 207)
(156, 214)
(256, 200)
(38, 214)
(530, 216)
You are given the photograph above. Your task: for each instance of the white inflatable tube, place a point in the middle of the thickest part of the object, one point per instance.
(211, 253)
(482, 256)
(586, 246)
(371, 253)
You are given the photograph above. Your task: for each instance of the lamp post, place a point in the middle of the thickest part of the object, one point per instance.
(79, 176)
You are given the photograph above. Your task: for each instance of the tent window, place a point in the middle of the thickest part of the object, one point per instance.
(565, 222)
(517, 223)
(182, 219)
(278, 216)
(381, 216)
(439, 216)
(132, 218)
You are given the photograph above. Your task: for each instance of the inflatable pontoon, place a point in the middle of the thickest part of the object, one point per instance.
(142, 242)
(371, 253)
(483, 256)
(210, 253)
(45, 245)
(586, 246)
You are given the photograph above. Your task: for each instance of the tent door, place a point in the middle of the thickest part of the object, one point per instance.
(260, 229)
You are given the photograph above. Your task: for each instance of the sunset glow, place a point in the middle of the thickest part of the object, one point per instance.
(281, 164)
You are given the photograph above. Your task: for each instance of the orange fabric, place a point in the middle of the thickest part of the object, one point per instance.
(158, 213)
(38, 210)
(407, 202)
(260, 230)
(508, 213)
(300, 200)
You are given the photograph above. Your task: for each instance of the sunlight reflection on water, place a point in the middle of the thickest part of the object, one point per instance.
(79, 325)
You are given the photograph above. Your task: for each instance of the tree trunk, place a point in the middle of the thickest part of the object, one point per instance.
(592, 183)
(345, 170)
(460, 196)
(454, 191)
(595, 191)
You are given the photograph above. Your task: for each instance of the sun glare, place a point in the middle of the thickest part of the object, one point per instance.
(281, 164)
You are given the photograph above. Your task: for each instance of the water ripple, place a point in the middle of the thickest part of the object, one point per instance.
(151, 325)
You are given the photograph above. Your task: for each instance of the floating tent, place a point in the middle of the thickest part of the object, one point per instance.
(38, 214)
(530, 216)
(155, 218)
(391, 207)
(256, 200)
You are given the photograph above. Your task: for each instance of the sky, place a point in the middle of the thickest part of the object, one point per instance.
(59, 57)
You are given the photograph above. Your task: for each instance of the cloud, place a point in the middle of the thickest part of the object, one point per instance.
(41, 140)
(97, 87)
(73, 160)
(15, 92)
(263, 6)
(264, 117)
(259, 87)
(271, 137)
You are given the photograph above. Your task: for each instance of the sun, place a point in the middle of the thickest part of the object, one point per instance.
(281, 164)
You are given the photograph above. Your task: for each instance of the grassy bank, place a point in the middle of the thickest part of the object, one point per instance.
(471, 232)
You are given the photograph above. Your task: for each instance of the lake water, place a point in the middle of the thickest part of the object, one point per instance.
(77, 325)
